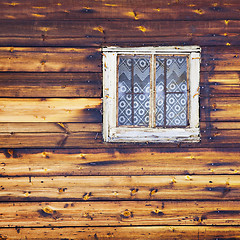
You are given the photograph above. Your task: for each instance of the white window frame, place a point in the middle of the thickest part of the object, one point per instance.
(114, 133)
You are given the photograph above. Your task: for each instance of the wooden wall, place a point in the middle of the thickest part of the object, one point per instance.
(58, 179)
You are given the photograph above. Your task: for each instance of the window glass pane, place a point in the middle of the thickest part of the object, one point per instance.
(171, 91)
(176, 110)
(176, 74)
(133, 90)
(176, 92)
(124, 88)
(160, 94)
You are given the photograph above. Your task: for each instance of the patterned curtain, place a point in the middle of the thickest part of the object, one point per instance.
(134, 91)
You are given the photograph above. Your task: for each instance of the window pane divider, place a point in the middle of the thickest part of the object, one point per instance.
(152, 92)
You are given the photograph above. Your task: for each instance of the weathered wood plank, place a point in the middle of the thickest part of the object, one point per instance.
(50, 110)
(50, 59)
(219, 78)
(123, 32)
(217, 125)
(89, 109)
(219, 109)
(33, 127)
(51, 140)
(50, 84)
(220, 90)
(118, 28)
(160, 10)
(134, 161)
(80, 188)
(40, 127)
(17, 84)
(99, 41)
(86, 139)
(124, 233)
(116, 213)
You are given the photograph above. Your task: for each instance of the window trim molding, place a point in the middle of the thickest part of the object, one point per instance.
(112, 133)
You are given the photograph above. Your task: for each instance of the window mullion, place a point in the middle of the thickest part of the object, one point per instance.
(152, 92)
(165, 92)
(132, 86)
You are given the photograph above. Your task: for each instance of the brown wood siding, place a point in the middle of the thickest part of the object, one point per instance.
(58, 180)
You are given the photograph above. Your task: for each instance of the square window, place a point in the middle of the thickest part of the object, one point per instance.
(151, 94)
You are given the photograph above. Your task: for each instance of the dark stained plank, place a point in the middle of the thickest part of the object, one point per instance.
(118, 32)
(124, 233)
(123, 213)
(134, 161)
(50, 59)
(213, 59)
(24, 140)
(91, 188)
(43, 84)
(112, 9)
(59, 127)
(86, 139)
(62, 127)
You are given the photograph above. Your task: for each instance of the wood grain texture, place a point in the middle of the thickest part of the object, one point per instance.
(50, 110)
(82, 84)
(110, 29)
(26, 84)
(89, 109)
(123, 213)
(124, 233)
(119, 162)
(112, 32)
(91, 188)
(220, 78)
(88, 139)
(71, 127)
(160, 10)
(59, 127)
(220, 109)
(49, 59)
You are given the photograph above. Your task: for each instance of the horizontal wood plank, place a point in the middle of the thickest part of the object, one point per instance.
(124, 233)
(52, 59)
(86, 139)
(85, 188)
(70, 127)
(219, 78)
(17, 84)
(98, 41)
(219, 109)
(134, 161)
(116, 213)
(50, 110)
(45, 30)
(120, 32)
(89, 109)
(33, 127)
(50, 84)
(82, 84)
(160, 10)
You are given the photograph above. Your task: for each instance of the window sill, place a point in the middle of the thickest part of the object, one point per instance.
(123, 134)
